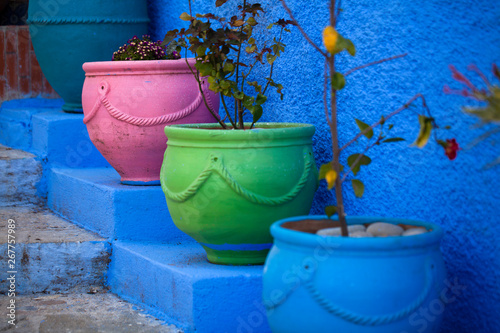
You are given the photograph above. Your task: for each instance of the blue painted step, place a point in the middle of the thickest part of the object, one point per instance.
(16, 119)
(95, 199)
(176, 281)
(40, 126)
(50, 255)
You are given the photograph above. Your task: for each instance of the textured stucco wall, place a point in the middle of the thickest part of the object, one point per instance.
(402, 181)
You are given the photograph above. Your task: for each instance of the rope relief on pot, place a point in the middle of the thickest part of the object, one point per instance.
(215, 165)
(356, 318)
(104, 89)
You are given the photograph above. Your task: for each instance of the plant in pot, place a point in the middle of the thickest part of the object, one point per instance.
(128, 101)
(338, 273)
(226, 183)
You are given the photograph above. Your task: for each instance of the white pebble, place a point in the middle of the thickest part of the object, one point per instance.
(360, 234)
(337, 231)
(414, 231)
(383, 229)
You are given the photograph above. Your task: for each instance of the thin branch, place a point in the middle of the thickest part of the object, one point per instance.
(227, 111)
(302, 30)
(338, 12)
(203, 94)
(404, 107)
(236, 105)
(482, 137)
(272, 66)
(325, 94)
(374, 63)
(492, 164)
(359, 159)
(473, 67)
(333, 17)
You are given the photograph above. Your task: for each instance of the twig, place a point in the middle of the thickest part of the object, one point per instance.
(359, 159)
(482, 137)
(302, 30)
(404, 107)
(338, 12)
(227, 111)
(203, 94)
(473, 67)
(236, 105)
(325, 94)
(374, 63)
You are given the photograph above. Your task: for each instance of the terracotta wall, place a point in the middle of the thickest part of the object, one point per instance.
(20, 74)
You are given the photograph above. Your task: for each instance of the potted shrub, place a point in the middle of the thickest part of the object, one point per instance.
(226, 183)
(128, 101)
(337, 273)
(65, 34)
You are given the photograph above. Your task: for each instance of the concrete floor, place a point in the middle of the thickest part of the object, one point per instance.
(76, 312)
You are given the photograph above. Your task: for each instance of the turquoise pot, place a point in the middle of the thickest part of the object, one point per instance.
(65, 34)
(357, 285)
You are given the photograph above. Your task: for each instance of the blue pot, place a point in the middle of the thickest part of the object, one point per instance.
(67, 33)
(339, 284)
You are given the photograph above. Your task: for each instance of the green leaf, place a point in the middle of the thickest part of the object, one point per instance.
(330, 210)
(205, 68)
(326, 172)
(214, 86)
(270, 58)
(425, 131)
(358, 187)
(365, 160)
(270, 26)
(228, 67)
(251, 41)
(391, 126)
(200, 51)
(238, 95)
(250, 49)
(261, 99)
(349, 46)
(251, 21)
(324, 169)
(393, 140)
(224, 84)
(255, 84)
(185, 17)
(257, 113)
(338, 81)
(363, 126)
(248, 102)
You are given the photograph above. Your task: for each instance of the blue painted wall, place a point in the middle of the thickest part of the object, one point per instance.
(402, 181)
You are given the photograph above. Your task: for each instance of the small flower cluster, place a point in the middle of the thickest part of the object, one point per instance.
(143, 49)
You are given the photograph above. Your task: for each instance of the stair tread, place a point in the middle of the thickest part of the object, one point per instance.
(35, 224)
(7, 153)
(96, 311)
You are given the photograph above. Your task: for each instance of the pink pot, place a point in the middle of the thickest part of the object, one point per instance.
(127, 104)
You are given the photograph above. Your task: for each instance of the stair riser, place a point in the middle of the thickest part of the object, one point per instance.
(56, 267)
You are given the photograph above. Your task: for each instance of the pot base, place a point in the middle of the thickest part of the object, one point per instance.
(236, 258)
(72, 107)
(140, 183)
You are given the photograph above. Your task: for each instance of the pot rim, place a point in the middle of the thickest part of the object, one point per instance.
(266, 134)
(138, 67)
(304, 239)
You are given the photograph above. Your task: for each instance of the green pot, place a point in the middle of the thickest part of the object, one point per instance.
(225, 188)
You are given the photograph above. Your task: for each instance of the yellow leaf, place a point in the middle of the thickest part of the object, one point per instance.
(330, 177)
(425, 131)
(330, 37)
